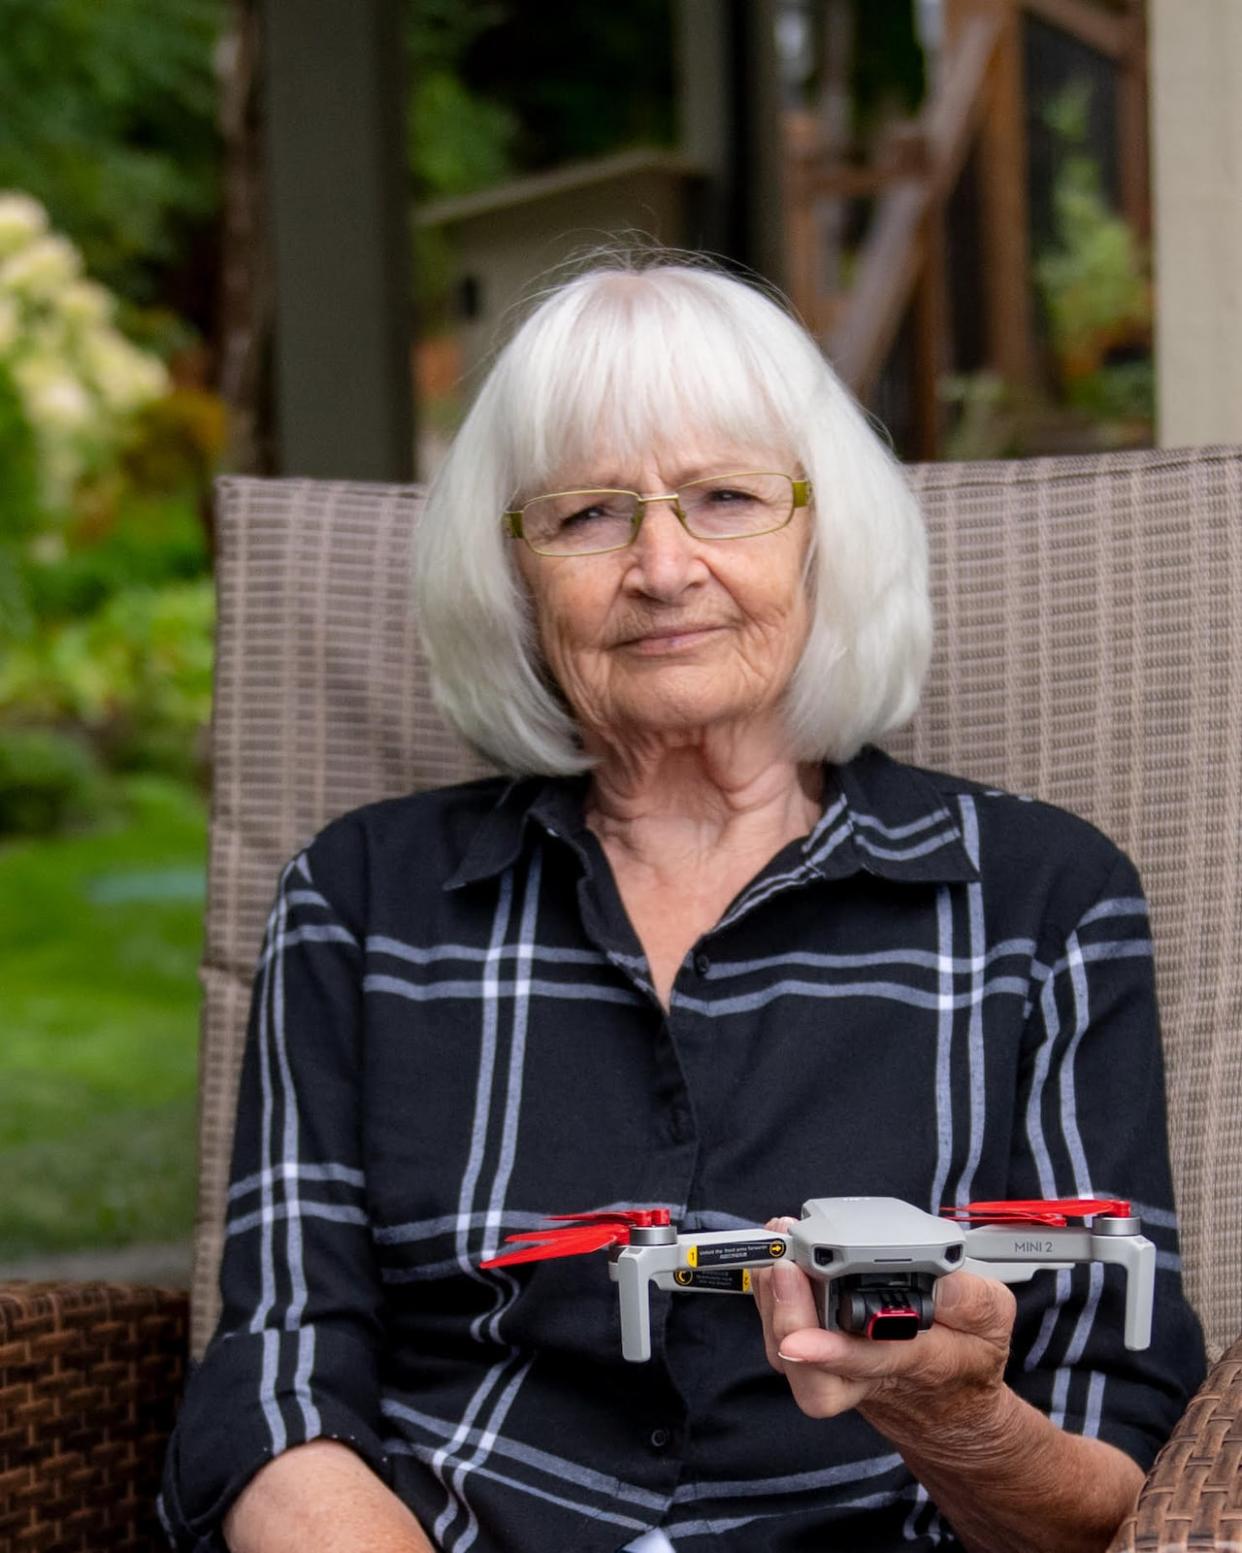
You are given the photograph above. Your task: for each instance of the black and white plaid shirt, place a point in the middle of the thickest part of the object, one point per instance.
(942, 993)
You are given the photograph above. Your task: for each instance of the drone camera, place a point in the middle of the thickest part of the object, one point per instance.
(888, 1308)
(893, 1326)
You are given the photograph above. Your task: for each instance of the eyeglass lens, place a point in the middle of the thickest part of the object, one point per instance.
(722, 507)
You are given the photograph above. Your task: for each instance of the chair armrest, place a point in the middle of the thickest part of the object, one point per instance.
(1192, 1499)
(91, 1375)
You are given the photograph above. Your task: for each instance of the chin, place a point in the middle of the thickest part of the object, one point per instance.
(689, 717)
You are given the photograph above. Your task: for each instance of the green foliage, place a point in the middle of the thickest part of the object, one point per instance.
(889, 72)
(19, 505)
(459, 140)
(154, 540)
(136, 674)
(109, 120)
(1094, 278)
(79, 379)
(581, 80)
(1117, 392)
(105, 615)
(19, 463)
(49, 781)
(98, 1063)
(1094, 282)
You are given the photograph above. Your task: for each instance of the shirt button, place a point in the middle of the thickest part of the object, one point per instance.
(702, 964)
(660, 1439)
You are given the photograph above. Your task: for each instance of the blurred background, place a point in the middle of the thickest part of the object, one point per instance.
(276, 236)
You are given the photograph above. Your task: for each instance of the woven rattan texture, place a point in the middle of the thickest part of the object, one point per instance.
(90, 1375)
(321, 703)
(1089, 652)
(1192, 1500)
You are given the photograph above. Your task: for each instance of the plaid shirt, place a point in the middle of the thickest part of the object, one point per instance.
(941, 993)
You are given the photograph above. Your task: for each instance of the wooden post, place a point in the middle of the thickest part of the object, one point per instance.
(1132, 149)
(931, 329)
(731, 127)
(334, 87)
(243, 372)
(1004, 198)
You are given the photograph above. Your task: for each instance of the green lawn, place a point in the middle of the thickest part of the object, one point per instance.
(100, 936)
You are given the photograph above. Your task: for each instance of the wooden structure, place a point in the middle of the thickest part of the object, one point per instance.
(334, 83)
(1196, 62)
(730, 128)
(974, 112)
(315, 288)
(504, 238)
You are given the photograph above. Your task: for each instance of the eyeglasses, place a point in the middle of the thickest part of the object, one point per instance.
(589, 522)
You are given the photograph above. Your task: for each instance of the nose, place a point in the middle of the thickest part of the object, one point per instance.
(664, 558)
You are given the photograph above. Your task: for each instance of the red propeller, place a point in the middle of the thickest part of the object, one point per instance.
(1052, 1211)
(582, 1233)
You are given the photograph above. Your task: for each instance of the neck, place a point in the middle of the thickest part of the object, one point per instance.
(670, 801)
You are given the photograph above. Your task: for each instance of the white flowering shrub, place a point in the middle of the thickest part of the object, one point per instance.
(79, 379)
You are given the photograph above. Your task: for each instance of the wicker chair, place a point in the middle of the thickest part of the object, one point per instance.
(1090, 651)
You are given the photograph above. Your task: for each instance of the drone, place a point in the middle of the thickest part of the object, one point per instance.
(873, 1261)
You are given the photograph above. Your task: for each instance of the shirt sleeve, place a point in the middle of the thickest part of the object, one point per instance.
(295, 1355)
(1091, 1122)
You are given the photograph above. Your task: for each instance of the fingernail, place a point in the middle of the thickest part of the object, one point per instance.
(946, 1293)
(788, 1358)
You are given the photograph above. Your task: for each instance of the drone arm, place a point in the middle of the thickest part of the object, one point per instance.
(633, 1276)
(1138, 1256)
(1014, 1253)
(1011, 1272)
(638, 1266)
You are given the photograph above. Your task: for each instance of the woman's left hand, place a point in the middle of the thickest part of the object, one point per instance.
(999, 1470)
(949, 1378)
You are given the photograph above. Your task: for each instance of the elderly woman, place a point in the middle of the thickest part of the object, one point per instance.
(704, 947)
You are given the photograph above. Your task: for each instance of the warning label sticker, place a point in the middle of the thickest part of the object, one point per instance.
(728, 1253)
(717, 1280)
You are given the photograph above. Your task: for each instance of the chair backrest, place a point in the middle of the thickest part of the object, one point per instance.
(1089, 651)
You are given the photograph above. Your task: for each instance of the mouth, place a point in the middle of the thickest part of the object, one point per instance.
(669, 639)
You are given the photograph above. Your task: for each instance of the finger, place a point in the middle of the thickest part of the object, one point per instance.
(853, 1358)
(766, 1297)
(786, 1304)
(980, 1307)
(793, 1303)
(761, 1288)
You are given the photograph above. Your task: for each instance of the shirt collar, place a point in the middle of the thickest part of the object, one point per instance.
(886, 818)
(880, 817)
(554, 803)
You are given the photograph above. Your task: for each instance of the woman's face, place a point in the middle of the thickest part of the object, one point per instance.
(673, 634)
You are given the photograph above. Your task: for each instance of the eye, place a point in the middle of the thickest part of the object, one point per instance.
(592, 514)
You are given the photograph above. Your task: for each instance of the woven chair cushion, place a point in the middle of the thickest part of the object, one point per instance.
(1088, 652)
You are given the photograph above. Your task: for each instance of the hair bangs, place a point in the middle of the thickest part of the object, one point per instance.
(627, 369)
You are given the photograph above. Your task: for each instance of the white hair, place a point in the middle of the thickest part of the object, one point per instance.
(635, 355)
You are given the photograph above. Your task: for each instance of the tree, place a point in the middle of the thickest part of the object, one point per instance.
(109, 121)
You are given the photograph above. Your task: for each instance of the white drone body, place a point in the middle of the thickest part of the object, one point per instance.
(874, 1262)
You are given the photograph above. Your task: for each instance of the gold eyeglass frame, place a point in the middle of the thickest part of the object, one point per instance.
(801, 494)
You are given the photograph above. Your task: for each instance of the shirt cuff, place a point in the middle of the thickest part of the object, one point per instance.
(232, 1422)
